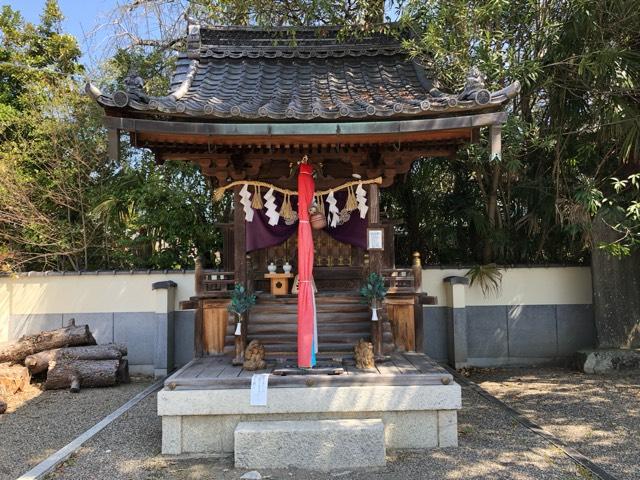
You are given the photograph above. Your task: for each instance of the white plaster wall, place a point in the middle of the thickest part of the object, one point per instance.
(41, 294)
(5, 311)
(520, 286)
(91, 293)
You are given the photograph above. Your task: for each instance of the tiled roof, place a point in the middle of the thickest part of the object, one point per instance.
(308, 74)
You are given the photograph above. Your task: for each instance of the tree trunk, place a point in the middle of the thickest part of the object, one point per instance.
(27, 345)
(616, 291)
(85, 373)
(39, 362)
(13, 378)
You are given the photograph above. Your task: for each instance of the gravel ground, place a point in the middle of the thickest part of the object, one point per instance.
(40, 422)
(596, 414)
(492, 445)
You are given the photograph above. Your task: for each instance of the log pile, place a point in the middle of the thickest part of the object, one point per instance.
(69, 356)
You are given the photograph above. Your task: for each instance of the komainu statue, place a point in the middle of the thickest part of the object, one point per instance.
(254, 356)
(364, 354)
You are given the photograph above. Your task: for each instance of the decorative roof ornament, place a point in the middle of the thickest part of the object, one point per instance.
(133, 91)
(475, 89)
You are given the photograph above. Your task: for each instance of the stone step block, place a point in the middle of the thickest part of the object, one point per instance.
(310, 444)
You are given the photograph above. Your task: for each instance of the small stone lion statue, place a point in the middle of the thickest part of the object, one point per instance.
(254, 356)
(363, 352)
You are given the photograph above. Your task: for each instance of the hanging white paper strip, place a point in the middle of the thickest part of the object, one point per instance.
(334, 213)
(245, 200)
(361, 198)
(272, 209)
(238, 329)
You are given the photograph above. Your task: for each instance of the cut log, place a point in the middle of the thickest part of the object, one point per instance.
(81, 373)
(13, 378)
(123, 371)
(27, 345)
(39, 362)
(3, 406)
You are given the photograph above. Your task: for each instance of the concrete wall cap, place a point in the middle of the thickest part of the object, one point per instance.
(166, 284)
(456, 280)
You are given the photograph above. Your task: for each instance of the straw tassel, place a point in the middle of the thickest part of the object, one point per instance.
(256, 201)
(286, 211)
(352, 203)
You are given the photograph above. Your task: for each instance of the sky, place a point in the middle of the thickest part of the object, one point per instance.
(81, 16)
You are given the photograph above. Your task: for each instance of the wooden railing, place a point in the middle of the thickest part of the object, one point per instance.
(213, 281)
(399, 280)
(404, 280)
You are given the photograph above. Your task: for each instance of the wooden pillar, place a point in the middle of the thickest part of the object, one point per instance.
(417, 272)
(375, 265)
(227, 247)
(240, 268)
(240, 240)
(375, 256)
(495, 140)
(113, 144)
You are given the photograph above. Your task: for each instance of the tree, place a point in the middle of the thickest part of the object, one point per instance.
(574, 124)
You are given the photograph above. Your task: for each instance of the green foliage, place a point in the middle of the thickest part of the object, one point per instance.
(63, 204)
(241, 300)
(373, 289)
(571, 146)
(574, 124)
(622, 213)
(488, 277)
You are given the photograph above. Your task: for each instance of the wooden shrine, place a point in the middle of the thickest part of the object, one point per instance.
(247, 103)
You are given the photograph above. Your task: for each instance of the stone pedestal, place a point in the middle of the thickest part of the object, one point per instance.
(312, 445)
(414, 416)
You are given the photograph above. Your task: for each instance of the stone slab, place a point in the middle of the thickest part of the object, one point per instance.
(487, 331)
(576, 328)
(100, 324)
(183, 340)
(447, 428)
(457, 337)
(30, 324)
(137, 330)
(312, 445)
(609, 360)
(532, 331)
(313, 399)
(435, 332)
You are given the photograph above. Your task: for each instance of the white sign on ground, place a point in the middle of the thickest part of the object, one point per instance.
(259, 384)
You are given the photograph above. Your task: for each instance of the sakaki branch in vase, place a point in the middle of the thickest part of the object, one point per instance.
(373, 292)
(241, 303)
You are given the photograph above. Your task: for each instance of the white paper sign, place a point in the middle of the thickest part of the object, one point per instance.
(259, 384)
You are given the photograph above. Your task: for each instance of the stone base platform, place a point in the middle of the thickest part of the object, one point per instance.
(315, 445)
(417, 401)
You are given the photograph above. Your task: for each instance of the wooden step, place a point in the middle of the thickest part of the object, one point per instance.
(266, 328)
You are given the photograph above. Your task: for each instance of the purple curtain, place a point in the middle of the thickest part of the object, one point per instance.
(262, 235)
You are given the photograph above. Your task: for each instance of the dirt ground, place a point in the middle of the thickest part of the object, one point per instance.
(38, 423)
(599, 415)
(492, 445)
